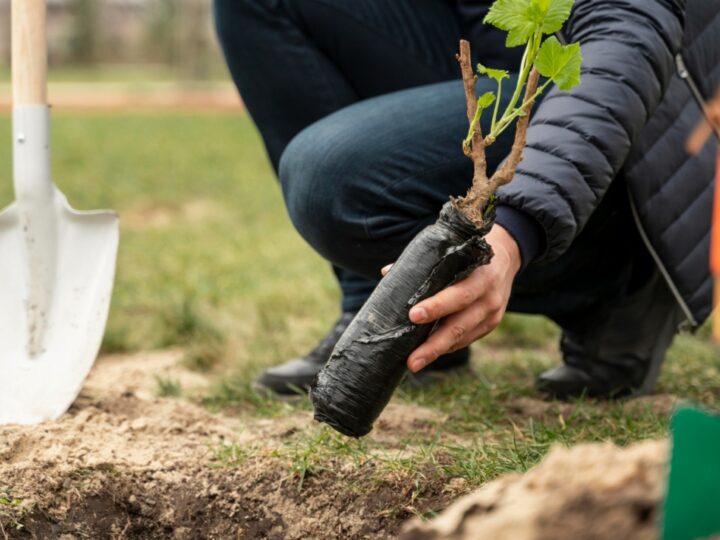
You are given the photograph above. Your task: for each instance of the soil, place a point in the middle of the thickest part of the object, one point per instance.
(592, 491)
(121, 97)
(159, 217)
(124, 463)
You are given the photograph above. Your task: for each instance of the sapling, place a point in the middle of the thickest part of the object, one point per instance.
(369, 361)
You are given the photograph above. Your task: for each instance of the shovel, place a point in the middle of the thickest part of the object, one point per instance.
(57, 265)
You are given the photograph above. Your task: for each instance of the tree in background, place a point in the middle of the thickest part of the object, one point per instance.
(194, 44)
(84, 36)
(162, 17)
(178, 34)
(173, 33)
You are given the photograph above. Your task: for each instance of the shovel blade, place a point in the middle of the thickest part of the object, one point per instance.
(40, 385)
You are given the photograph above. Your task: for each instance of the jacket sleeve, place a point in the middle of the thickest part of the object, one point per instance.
(579, 140)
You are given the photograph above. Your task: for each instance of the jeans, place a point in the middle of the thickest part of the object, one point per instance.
(361, 108)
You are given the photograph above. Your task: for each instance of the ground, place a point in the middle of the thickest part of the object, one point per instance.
(589, 491)
(125, 463)
(169, 440)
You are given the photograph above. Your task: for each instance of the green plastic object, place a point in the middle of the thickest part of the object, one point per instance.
(692, 504)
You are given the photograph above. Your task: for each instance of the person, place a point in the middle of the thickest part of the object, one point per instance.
(604, 228)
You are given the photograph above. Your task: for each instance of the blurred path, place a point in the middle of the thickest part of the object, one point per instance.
(136, 96)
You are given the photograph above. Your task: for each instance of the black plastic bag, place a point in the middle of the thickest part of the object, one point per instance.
(369, 361)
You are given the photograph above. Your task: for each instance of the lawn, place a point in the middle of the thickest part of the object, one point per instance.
(210, 263)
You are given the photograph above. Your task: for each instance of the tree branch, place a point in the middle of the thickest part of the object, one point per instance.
(505, 173)
(469, 79)
(469, 204)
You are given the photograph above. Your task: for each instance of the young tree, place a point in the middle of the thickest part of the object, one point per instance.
(84, 38)
(369, 360)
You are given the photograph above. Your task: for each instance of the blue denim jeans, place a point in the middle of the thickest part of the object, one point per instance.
(362, 112)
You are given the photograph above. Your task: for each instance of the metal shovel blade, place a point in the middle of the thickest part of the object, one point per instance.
(57, 269)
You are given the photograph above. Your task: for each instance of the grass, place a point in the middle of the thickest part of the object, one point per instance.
(229, 455)
(210, 263)
(486, 433)
(207, 254)
(8, 510)
(168, 387)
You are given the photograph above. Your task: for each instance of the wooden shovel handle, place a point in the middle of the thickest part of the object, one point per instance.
(29, 52)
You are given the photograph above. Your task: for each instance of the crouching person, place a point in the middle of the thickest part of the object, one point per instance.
(604, 228)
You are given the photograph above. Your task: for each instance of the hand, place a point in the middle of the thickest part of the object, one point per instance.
(472, 308)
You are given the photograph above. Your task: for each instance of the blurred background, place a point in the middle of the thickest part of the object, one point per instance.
(142, 52)
(174, 35)
(146, 121)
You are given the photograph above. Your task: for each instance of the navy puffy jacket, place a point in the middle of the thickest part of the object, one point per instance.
(630, 116)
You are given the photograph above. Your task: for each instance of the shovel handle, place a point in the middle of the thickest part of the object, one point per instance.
(29, 52)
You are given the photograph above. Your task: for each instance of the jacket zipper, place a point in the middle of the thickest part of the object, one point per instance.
(673, 288)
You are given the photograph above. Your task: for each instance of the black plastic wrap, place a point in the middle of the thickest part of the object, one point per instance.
(369, 361)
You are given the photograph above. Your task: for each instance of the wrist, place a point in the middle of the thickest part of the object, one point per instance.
(505, 247)
(527, 233)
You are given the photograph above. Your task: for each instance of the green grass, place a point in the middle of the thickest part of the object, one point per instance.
(229, 455)
(210, 263)
(9, 511)
(207, 254)
(168, 387)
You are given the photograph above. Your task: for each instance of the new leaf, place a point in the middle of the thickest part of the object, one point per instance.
(495, 74)
(560, 63)
(487, 99)
(555, 13)
(522, 18)
(513, 16)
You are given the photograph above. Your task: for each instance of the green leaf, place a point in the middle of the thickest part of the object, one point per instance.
(513, 16)
(560, 63)
(520, 35)
(507, 14)
(495, 74)
(556, 12)
(522, 18)
(486, 100)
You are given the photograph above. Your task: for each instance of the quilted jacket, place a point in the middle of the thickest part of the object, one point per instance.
(647, 66)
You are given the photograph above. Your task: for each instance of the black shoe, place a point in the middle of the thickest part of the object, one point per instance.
(621, 356)
(298, 374)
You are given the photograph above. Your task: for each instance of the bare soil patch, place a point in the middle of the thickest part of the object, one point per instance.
(109, 97)
(124, 463)
(157, 217)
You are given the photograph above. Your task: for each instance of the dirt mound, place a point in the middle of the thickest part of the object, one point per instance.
(593, 491)
(124, 463)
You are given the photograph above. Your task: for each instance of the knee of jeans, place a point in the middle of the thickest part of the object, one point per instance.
(318, 174)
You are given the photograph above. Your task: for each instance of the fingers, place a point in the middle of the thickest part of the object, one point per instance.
(471, 308)
(451, 300)
(385, 269)
(456, 332)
